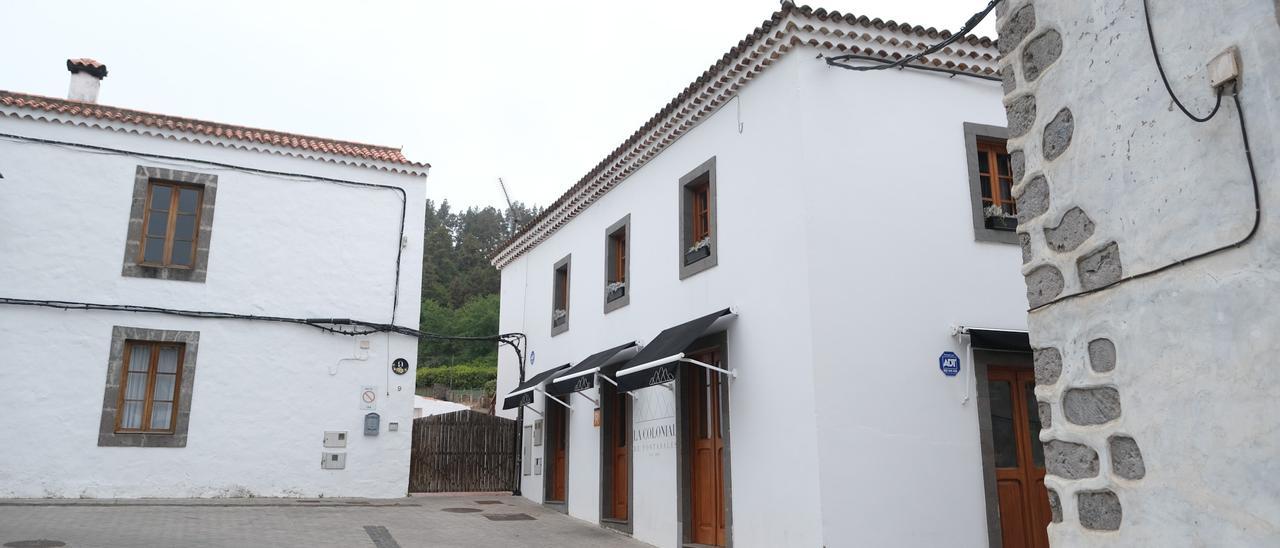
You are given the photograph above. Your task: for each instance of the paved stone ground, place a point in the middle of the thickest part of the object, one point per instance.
(420, 521)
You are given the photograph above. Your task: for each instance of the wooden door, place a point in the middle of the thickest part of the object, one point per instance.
(706, 453)
(558, 426)
(1019, 458)
(620, 453)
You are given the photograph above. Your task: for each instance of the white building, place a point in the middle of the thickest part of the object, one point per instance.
(424, 406)
(819, 233)
(105, 209)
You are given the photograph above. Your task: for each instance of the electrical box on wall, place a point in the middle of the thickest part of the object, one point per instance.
(372, 423)
(333, 461)
(335, 438)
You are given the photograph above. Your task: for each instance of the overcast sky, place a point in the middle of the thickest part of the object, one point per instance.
(534, 92)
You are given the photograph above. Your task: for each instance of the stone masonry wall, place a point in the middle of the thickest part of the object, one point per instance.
(1159, 395)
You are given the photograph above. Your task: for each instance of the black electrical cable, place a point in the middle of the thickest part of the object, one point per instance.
(1248, 155)
(905, 62)
(952, 72)
(514, 340)
(1151, 39)
(395, 302)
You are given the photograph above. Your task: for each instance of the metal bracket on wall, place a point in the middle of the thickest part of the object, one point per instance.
(555, 399)
(596, 402)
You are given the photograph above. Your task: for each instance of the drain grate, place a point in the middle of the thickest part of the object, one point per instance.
(308, 500)
(509, 517)
(40, 543)
(357, 502)
(488, 502)
(462, 510)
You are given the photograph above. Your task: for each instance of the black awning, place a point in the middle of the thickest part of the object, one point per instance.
(523, 394)
(999, 339)
(662, 353)
(582, 376)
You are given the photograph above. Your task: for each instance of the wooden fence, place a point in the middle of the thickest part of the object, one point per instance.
(462, 451)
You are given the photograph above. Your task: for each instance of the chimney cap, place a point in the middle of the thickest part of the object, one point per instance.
(89, 66)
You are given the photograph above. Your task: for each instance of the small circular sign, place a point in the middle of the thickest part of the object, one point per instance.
(368, 396)
(400, 366)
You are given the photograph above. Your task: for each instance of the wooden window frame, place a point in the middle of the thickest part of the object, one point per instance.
(149, 393)
(993, 150)
(698, 220)
(976, 136)
(184, 391)
(560, 287)
(619, 244)
(701, 211)
(206, 185)
(617, 256)
(171, 224)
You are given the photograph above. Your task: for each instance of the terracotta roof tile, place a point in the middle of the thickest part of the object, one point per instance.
(660, 121)
(200, 127)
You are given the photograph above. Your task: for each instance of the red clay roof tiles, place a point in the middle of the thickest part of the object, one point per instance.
(201, 127)
(504, 252)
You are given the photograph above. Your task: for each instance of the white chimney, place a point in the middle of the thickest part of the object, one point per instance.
(86, 78)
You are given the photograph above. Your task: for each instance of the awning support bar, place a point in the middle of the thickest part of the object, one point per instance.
(534, 410)
(597, 403)
(728, 372)
(607, 379)
(555, 399)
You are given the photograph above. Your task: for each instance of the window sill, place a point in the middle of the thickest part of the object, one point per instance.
(1003, 224)
(691, 257)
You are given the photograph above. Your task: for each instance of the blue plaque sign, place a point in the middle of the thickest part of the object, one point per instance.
(949, 363)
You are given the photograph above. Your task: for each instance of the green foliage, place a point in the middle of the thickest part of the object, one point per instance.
(460, 292)
(472, 375)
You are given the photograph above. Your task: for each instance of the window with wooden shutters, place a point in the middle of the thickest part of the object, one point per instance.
(171, 221)
(149, 387)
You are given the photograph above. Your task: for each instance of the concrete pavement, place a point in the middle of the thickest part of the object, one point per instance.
(420, 521)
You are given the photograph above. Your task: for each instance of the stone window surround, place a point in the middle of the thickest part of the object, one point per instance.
(566, 263)
(972, 133)
(707, 168)
(107, 435)
(623, 224)
(204, 233)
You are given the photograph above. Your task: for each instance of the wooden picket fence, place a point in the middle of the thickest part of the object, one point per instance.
(462, 451)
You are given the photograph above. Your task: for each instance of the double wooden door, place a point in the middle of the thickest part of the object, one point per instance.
(706, 452)
(558, 451)
(1019, 457)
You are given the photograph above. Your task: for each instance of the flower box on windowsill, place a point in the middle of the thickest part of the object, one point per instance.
(615, 291)
(1002, 223)
(697, 254)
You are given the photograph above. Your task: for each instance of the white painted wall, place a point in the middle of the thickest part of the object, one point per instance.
(893, 266)
(659, 299)
(263, 393)
(1195, 344)
(842, 309)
